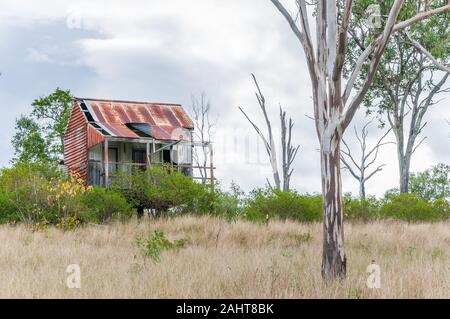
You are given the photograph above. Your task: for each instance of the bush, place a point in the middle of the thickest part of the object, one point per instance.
(101, 205)
(264, 204)
(432, 183)
(40, 195)
(443, 206)
(229, 204)
(410, 207)
(24, 193)
(312, 207)
(7, 208)
(156, 243)
(361, 209)
(164, 189)
(63, 198)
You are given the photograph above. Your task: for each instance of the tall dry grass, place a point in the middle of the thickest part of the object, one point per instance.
(223, 260)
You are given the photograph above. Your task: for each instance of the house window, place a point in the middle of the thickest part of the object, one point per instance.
(182, 153)
(141, 129)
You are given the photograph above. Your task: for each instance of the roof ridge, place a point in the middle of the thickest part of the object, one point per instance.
(128, 102)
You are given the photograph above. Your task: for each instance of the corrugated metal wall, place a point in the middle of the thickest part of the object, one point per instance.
(94, 136)
(76, 143)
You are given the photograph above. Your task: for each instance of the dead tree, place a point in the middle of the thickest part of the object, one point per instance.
(289, 152)
(269, 142)
(334, 109)
(204, 127)
(360, 168)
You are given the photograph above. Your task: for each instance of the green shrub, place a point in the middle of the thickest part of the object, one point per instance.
(264, 204)
(361, 209)
(433, 183)
(24, 191)
(410, 207)
(156, 243)
(40, 195)
(172, 189)
(66, 223)
(312, 208)
(101, 205)
(8, 211)
(229, 204)
(164, 189)
(443, 206)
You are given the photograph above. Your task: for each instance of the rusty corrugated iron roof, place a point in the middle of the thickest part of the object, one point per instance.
(112, 117)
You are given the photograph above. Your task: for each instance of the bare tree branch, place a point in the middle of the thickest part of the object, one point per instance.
(304, 37)
(289, 152)
(269, 142)
(420, 16)
(359, 169)
(419, 47)
(306, 43)
(418, 144)
(379, 144)
(342, 41)
(266, 144)
(204, 126)
(349, 168)
(379, 169)
(349, 155)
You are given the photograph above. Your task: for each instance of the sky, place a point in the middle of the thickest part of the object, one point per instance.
(167, 51)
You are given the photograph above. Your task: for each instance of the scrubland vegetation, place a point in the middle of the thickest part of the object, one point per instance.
(39, 196)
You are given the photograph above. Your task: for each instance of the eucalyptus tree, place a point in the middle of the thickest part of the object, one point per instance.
(333, 101)
(39, 136)
(29, 143)
(410, 76)
(433, 183)
(53, 112)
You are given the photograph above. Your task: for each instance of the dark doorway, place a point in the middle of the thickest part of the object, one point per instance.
(139, 157)
(166, 156)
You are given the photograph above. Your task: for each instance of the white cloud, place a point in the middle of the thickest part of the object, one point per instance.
(166, 50)
(34, 55)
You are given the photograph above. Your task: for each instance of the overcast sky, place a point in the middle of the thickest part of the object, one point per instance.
(165, 51)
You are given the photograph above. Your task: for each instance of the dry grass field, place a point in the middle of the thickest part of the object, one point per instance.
(223, 260)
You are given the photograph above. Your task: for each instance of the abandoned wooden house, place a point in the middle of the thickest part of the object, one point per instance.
(104, 137)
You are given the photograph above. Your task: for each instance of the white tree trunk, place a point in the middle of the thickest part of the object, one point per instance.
(332, 113)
